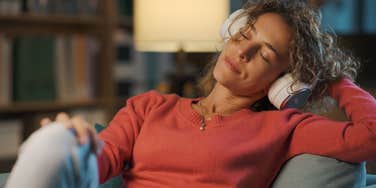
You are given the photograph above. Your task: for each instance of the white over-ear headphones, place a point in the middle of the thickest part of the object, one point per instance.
(233, 24)
(283, 93)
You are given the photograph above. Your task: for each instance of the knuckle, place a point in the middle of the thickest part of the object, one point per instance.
(62, 114)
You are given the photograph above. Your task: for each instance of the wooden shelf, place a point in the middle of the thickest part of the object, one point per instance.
(125, 22)
(22, 107)
(48, 24)
(102, 26)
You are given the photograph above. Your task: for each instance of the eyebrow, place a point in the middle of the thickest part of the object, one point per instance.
(270, 46)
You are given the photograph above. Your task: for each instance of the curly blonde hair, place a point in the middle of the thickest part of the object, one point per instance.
(313, 51)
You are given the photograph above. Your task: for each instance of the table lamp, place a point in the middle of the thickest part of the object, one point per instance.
(174, 25)
(178, 26)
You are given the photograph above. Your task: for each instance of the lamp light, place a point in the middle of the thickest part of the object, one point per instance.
(178, 25)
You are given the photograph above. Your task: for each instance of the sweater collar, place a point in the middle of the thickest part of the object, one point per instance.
(185, 108)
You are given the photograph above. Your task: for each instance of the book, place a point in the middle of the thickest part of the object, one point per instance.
(10, 138)
(5, 70)
(85, 50)
(63, 57)
(91, 66)
(33, 78)
(75, 62)
(15, 7)
(10, 7)
(62, 7)
(87, 7)
(80, 71)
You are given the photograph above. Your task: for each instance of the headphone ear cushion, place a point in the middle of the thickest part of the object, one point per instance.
(282, 95)
(230, 26)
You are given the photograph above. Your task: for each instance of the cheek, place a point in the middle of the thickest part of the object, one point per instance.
(217, 73)
(218, 68)
(257, 79)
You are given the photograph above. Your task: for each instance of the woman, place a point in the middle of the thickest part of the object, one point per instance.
(228, 138)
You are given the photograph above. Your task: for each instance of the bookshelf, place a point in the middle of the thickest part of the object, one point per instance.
(24, 107)
(56, 24)
(125, 22)
(102, 27)
(37, 24)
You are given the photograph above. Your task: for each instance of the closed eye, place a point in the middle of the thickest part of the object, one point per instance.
(264, 58)
(243, 35)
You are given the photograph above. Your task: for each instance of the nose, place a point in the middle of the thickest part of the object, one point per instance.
(243, 57)
(246, 50)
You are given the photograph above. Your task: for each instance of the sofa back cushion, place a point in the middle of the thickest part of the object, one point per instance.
(312, 171)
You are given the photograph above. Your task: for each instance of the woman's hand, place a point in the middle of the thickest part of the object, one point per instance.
(82, 129)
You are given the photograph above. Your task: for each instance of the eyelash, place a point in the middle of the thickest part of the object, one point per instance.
(263, 58)
(243, 35)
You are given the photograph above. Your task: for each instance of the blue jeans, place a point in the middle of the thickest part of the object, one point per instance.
(52, 157)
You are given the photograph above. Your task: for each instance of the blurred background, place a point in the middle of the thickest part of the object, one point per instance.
(88, 56)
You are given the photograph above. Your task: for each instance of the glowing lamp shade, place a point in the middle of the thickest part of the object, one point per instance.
(173, 25)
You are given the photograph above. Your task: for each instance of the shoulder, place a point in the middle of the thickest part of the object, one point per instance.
(151, 99)
(153, 96)
(291, 115)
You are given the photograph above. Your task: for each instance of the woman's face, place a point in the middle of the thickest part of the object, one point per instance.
(250, 64)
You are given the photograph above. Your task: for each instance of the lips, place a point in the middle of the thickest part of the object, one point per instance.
(231, 65)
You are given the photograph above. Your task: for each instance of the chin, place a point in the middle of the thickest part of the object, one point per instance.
(221, 78)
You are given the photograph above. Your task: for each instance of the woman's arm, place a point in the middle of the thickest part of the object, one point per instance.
(120, 135)
(352, 141)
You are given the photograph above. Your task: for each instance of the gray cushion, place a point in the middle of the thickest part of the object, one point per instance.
(371, 181)
(3, 179)
(312, 171)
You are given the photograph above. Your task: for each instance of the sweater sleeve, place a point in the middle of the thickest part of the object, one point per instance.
(120, 135)
(352, 141)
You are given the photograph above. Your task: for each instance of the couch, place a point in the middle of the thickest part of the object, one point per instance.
(303, 171)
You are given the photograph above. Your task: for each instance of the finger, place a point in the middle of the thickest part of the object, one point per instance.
(93, 139)
(45, 121)
(79, 125)
(62, 117)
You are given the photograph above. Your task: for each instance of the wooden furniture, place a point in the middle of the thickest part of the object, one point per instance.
(102, 26)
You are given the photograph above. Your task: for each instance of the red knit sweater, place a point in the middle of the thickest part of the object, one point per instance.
(159, 136)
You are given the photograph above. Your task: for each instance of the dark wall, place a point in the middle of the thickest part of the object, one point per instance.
(363, 47)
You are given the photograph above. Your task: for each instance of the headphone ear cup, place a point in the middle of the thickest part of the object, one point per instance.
(225, 33)
(282, 95)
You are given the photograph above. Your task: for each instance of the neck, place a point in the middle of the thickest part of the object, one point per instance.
(224, 102)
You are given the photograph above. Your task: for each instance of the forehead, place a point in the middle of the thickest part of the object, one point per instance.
(272, 27)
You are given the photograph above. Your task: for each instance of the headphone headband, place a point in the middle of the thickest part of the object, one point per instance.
(233, 24)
